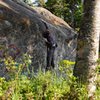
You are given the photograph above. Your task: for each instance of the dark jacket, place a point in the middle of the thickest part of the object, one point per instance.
(51, 42)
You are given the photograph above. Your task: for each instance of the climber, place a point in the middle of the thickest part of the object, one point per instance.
(51, 46)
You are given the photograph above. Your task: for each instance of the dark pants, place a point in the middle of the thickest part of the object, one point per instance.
(50, 58)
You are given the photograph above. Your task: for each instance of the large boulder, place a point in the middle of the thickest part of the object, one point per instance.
(23, 26)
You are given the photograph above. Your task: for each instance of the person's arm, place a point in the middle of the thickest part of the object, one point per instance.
(47, 43)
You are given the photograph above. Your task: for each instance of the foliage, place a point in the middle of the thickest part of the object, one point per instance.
(50, 85)
(28, 2)
(35, 2)
(98, 80)
(40, 3)
(69, 10)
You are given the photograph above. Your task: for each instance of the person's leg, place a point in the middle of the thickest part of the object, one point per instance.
(52, 60)
(49, 58)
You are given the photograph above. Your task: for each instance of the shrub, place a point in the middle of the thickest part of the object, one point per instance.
(50, 85)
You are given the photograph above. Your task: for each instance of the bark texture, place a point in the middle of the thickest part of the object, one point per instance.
(22, 26)
(88, 45)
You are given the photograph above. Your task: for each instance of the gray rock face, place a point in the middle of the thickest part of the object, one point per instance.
(24, 30)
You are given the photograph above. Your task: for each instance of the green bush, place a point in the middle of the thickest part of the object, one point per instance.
(51, 85)
(98, 81)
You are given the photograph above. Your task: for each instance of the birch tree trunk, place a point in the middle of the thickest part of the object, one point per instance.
(88, 46)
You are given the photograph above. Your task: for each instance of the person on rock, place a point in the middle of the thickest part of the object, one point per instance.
(51, 45)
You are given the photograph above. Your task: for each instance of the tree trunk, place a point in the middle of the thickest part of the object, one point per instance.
(88, 46)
